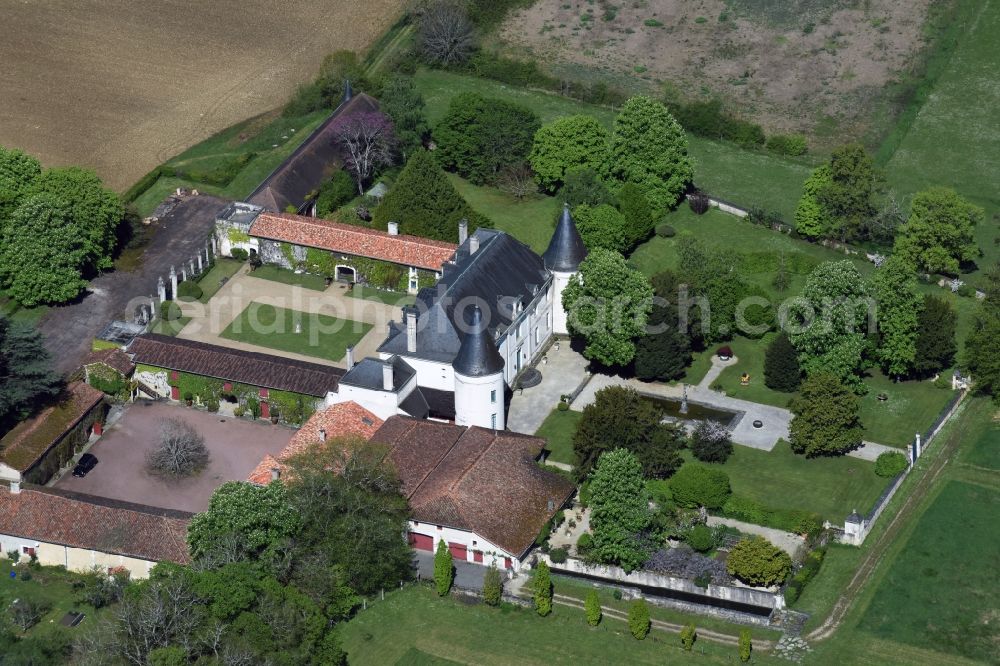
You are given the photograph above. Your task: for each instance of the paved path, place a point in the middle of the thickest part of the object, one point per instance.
(468, 576)
(209, 320)
(69, 329)
(718, 365)
(563, 372)
(871, 451)
(788, 542)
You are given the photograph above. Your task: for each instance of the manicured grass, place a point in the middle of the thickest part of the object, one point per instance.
(321, 336)
(985, 450)
(831, 487)
(750, 360)
(211, 282)
(912, 407)
(558, 429)
(701, 363)
(285, 276)
(472, 633)
(723, 169)
(49, 585)
(941, 590)
(531, 220)
(147, 202)
(380, 295)
(16, 312)
(171, 328)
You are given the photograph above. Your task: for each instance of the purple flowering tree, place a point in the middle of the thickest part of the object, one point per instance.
(368, 140)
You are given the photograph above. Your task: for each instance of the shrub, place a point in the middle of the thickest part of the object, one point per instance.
(700, 538)
(688, 636)
(787, 144)
(444, 570)
(169, 311)
(942, 382)
(188, 396)
(239, 254)
(212, 405)
(542, 587)
(710, 442)
(890, 463)
(724, 352)
(584, 543)
(745, 645)
(756, 561)
(492, 586)
(335, 192)
(698, 202)
(562, 406)
(966, 291)
(617, 594)
(180, 450)
(558, 555)
(638, 618)
(695, 485)
(592, 607)
(665, 231)
(189, 290)
(26, 612)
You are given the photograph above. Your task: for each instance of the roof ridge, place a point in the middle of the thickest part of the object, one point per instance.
(355, 229)
(461, 477)
(437, 462)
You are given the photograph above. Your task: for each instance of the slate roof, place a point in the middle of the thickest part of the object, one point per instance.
(475, 479)
(235, 365)
(478, 355)
(368, 374)
(96, 523)
(353, 240)
(115, 359)
(30, 440)
(310, 164)
(501, 274)
(566, 249)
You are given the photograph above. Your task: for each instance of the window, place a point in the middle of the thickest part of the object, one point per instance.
(493, 421)
(493, 396)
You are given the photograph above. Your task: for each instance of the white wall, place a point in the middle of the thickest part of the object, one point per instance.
(432, 374)
(479, 401)
(382, 404)
(75, 559)
(472, 541)
(8, 473)
(559, 318)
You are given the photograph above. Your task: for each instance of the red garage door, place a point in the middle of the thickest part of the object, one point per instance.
(477, 556)
(422, 541)
(458, 551)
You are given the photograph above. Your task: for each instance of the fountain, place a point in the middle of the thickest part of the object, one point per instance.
(684, 401)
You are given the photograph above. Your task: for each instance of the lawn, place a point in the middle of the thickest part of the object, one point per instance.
(985, 451)
(285, 276)
(750, 360)
(912, 407)
(49, 585)
(780, 479)
(558, 429)
(531, 220)
(212, 281)
(743, 176)
(942, 588)
(320, 335)
(381, 295)
(15, 311)
(415, 626)
(171, 327)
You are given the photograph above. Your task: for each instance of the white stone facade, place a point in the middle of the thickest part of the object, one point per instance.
(478, 550)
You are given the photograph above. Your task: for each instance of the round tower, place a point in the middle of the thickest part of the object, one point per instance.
(563, 256)
(479, 384)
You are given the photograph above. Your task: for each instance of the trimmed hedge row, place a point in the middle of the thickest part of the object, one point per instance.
(788, 520)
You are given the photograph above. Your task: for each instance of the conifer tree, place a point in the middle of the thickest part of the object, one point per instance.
(542, 586)
(444, 570)
(638, 618)
(781, 365)
(592, 607)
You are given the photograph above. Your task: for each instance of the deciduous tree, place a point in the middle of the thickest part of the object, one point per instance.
(696, 485)
(584, 186)
(848, 199)
(981, 356)
(635, 208)
(602, 227)
(17, 171)
(403, 103)
(827, 417)
(368, 140)
(710, 442)
(619, 510)
(570, 142)
(894, 287)
(755, 561)
(180, 450)
(939, 234)
(810, 218)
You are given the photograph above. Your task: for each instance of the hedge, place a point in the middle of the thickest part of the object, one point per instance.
(789, 520)
(805, 574)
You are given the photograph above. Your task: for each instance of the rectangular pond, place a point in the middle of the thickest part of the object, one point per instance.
(671, 410)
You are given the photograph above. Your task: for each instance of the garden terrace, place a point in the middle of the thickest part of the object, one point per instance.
(37, 448)
(353, 240)
(235, 365)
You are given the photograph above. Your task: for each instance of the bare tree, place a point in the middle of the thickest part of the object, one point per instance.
(517, 180)
(165, 613)
(368, 139)
(181, 451)
(446, 34)
(25, 613)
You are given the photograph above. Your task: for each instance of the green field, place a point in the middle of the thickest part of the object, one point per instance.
(395, 298)
(415, 626)
(321, 336)
(912, 407)
(558, 429)
(286, 276)
(942, 589)
(531, 220)
(743, 176)
(985, 450)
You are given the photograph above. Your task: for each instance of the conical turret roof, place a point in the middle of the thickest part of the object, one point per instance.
(566, 249)
(478, 355)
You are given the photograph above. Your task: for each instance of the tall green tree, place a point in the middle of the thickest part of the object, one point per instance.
(602, 227)
(781, 365)
(17, 171)
(649, 148)
(584, 186)
(403, 103)
(444, 569)
(607, 302)
(42, 252)
(894, 287)
(828, 329)
(638, 214)
(638, 619)
(940, 233)
(619, 510)
(756, 561)
(827, 417)
(981, 356)
(810, 218)
(26, 376)
(664, 351)
(479, 136)
(848, 200)
(541, 585)
(567, 143)
(592, 608)
(935, 344)
(425, 203)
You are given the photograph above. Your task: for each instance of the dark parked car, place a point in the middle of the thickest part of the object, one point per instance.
(88, 461)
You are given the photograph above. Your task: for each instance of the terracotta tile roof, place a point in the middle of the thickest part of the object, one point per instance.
(345, 418)
(349, 239)
(235, 365)
(475, 479)
(115, 359)
(29, 441)
(96, 523)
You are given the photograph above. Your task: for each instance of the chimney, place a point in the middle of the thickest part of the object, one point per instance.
(387, 375)
(394, 228)
(15, 487)
(463, 230)
(350, 357)
(411, 330)
(322, 434)
(473, 244)
(275, 473)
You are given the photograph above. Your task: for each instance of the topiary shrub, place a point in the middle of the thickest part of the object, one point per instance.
(492, 586)
(592, 607)
(745, 645)
(756, 561)
(695, 485)
(584, 543)
(665, 231)
(698, 202)
(562, 406)
(890, 463)
(700, 538)
(189, 291)
(638, 618)
(688, 636)
(169, 311)
(239, 254)
(558, 555)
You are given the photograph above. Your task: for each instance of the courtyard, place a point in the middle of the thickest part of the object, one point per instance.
(235, 447)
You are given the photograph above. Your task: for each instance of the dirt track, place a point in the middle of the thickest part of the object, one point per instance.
(122, 86)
